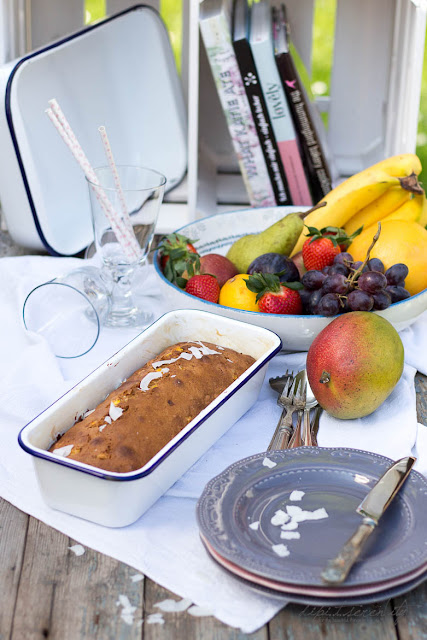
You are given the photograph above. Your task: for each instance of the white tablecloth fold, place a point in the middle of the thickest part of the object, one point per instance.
(164, 544)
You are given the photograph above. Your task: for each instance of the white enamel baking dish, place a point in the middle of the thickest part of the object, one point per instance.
(118, 499)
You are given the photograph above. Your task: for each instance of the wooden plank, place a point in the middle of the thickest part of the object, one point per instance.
(321, 623)
(410, 614)
(13, 531)
(62, 595)
(185, 626)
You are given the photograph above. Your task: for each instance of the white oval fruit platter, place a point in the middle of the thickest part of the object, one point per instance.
(216, 234)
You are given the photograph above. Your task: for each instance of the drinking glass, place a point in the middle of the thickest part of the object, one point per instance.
(69, 311)
(136, 200)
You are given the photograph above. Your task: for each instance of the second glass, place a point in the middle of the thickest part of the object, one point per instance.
(140, 194)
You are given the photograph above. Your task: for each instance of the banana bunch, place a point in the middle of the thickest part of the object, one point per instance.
(386, 190)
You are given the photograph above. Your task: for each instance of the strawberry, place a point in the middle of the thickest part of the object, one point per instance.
(322, 246)
(203, 286)
(178, 256)
(274, 296)
(319, 252)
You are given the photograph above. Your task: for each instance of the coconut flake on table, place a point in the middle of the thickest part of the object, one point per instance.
(115, 412)
(268, 463)
(281, 550)
(137, 577)
(173, 606)
(77, 549)
(87, 413)
(279, 518)
(296, 495)
(108, 419)
(128, 609)
(199, 612)
(63, 451)
(155, 618)
(102, 427)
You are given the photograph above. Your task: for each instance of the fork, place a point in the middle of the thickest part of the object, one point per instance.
(292, 400)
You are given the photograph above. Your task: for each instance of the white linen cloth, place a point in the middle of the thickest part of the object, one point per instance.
(164, 543)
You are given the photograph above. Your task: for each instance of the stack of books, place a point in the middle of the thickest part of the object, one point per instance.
(267, 109)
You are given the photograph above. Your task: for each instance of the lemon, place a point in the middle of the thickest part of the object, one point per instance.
(399, 241)
(234, 293)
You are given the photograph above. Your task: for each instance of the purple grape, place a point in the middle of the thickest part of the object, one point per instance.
(325, 270)
(359, 300)
(313, 279)
(305, 295)
(372, 281)
(396, 273)
(355, 266)
(338, 268)
(397, 293)
(375, 264)
(343, 258)
(314, 301)
(335, 283)
(382, 300)
(329, 305)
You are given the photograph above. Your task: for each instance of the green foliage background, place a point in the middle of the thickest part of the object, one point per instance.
(324, 20)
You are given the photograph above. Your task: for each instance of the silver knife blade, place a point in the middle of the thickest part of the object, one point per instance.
(371, 508)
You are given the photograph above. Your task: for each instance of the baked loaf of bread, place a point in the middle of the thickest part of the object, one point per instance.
(152, 406)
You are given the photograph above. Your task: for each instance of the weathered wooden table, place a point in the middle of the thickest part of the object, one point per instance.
(46, 591)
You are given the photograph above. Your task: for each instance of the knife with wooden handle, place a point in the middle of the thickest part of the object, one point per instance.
(371, 508)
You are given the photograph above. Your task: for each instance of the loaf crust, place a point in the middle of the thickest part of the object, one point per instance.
(155, 410)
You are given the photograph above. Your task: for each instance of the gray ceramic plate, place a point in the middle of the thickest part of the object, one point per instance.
(329, 601)
(248, 492)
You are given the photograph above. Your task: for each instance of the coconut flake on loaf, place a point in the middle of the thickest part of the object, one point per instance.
(115, 412)
(195, 352)
(63, 451)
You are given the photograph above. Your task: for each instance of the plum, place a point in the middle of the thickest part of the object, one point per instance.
(275, 263)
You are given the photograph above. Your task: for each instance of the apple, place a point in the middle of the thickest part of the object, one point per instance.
(219, 266)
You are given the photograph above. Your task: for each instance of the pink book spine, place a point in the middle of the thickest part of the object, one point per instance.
(294, 171)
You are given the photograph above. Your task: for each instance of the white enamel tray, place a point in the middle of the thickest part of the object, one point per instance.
(117, 499)
(119, 73)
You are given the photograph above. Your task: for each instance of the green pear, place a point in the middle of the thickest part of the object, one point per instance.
(280, 237)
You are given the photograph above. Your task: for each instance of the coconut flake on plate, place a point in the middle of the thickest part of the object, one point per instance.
(268, 463)
(279, 518)
(281, 550)
(290, 535)
(300, 515)
(296, 495)
(254, 525)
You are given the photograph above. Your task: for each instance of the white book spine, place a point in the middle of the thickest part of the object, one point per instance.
(217, 39)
